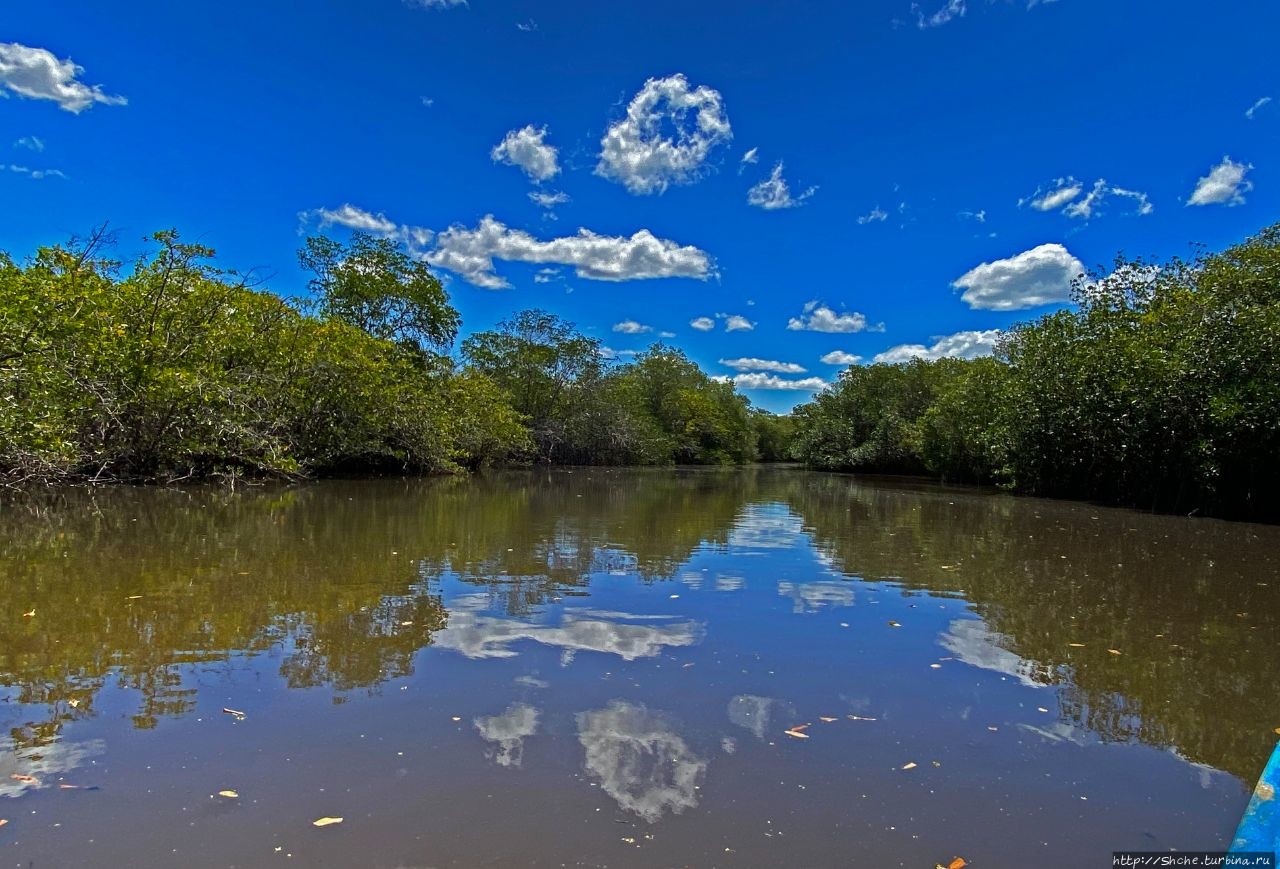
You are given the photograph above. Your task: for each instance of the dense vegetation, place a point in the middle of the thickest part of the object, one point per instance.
(177, 369)
(1161, 388)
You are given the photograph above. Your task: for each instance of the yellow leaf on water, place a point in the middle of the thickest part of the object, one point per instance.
(958, 863)
(29, 615)
(827, 718)
(25, 779)
(910, 765)
(796, 733)
(1276, 731)
(1114, 651)
(324, 822)
(3, 821)
(231, 795)
(1076, 645)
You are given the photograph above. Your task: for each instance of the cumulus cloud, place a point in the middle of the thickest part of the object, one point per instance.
(774, 193)
(736, 323)
(876, 215)
(1253, 109)
(1065, 194)
(703, 324)
(774, 382)
(961, 345)
(1224, 185)
(631, 327)
(750, 363)
(953, 9)
(527, 149)
(751, 157)
(352, 217)
(470, 253)
(1040, 276)
(639, 760)
(547, 200)
(38, 74)
(666, 136)
(979, 216)
(839, 357)
(820, 318)
(31, 143)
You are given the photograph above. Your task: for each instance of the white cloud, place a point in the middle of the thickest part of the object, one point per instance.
(953, 9)
(1224, 185)
(37, 174)
(979, 216)
(703, 324)
(1062, 191)
(877, 215)
(428, 101)
(527, 26)
(774, 192)
(610, 353)
(545, 276)
(751, 157)
(774, 382)
(471, 254)
(31, 143)
(1065, 194)
(736, 323)
(548, 200)
(640, 761)
(839, 357)
(750, 363)
(527, 149)
(666, 334)
(1254, 108)
(820, 318)
(435, 4)
(961, 345)
(631, 327)
(638, 151)
(352, 217)
(1040, 276)
(40, 75)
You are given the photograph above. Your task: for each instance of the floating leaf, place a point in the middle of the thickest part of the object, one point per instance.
(796, 733)
(324, 822)
(236, 712)
(827, 718)
(859, 718)
(629, 840)
(894, 625)
(29, 615)
(910, 765)
(231, 795)
(957, 863)
(1114, 651)
(935, 666)
(3, 821)
(1276, 731)
(1041, 709)
(25, 779)
(1076, 645)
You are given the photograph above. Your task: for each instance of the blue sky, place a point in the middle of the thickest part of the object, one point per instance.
(945, 167)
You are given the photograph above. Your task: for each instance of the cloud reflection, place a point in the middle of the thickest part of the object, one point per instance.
(640, 761)
(45, 763)
(971, 642)
(481, 636)
(759, 714)
(508, 731)
(812, 596)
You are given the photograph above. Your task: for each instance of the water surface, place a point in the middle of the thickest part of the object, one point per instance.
(600, 668)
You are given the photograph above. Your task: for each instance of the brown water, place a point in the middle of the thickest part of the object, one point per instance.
(598, 668)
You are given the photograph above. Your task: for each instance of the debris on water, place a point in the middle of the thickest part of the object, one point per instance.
(133, 597)
(893, 624)
(844, 624)
(796, 733)
(231, 795)
(456, 718)
(25, 779)
(1114, 651)
(859, 718)
(29, 615)
(3, 821)
(630, 840)
(1276, 731)
(910, 765)
(1076, 645)
(326, 821)
(239, 716)
(957, 863)
(1041, 709)
(826, 718)
(935, 666)
(674, 596)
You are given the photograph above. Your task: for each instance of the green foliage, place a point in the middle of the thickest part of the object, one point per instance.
(1161, 388)
(372, 284)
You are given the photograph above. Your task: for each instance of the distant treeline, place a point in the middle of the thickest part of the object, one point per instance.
(175, 369)
(1160, 389)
